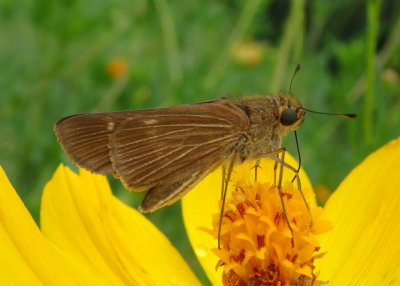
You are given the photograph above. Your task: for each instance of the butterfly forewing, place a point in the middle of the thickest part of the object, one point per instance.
(150, 148)
(155, 147)
(85, 138)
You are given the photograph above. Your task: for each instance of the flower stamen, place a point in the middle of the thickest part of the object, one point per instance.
(256, 241)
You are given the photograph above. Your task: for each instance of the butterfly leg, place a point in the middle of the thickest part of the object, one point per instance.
(275, 167)
(223, 181)
(275, 156)
(271, 155)
(228, 177)
(281, 195)
(296, 176)
(256, 166)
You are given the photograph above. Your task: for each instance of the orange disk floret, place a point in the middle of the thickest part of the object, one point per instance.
(256, 243)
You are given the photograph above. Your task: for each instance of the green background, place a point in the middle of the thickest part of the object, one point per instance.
(54, 57)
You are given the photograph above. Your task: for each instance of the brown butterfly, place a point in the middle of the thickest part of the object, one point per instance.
(167, 151)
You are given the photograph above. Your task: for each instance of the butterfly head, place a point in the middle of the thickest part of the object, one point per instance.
(291, 113)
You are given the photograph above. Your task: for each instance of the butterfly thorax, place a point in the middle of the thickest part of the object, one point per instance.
(265, 131)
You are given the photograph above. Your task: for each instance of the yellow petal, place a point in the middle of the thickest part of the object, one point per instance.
(80, 216)
(27, 258)
(201, 202)
(364, 245)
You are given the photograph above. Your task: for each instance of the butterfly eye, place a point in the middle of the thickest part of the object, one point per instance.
(288, 116)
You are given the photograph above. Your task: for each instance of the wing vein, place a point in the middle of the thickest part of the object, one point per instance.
(199, 125)
(179, 157)
(174, 115)
(132, 158)
(152, 137)
(154, 160)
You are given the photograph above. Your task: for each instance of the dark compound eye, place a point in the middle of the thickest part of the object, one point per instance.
(288, 116)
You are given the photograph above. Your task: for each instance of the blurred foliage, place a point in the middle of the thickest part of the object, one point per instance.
(55, 61)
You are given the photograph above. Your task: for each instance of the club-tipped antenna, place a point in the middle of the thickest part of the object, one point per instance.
(294, 74)
(345, 115)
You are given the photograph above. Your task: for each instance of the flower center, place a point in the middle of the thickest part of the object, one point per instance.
(256, 243)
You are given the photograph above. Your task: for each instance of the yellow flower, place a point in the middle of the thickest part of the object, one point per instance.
(362, 249)
(88, 237)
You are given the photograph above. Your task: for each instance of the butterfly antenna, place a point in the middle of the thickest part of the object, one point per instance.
(297, 69)
(345, 115)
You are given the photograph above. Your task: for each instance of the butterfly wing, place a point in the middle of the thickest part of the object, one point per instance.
(170, 192)
(168, 144)
(164, 150)
(85, 138)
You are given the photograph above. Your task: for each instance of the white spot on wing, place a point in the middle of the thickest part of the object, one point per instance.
(150, 121)
(110, 126)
